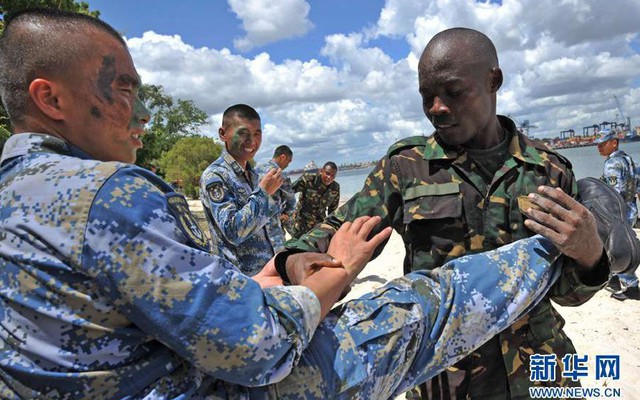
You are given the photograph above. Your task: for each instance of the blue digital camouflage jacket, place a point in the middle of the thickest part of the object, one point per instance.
(285, 198)
(238, 212)
(620, 172)
(87, 247)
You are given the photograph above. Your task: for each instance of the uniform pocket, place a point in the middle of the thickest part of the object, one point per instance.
(433, 201)
(544, 326)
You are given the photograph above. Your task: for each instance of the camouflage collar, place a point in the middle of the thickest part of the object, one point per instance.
(235, 166)
(27, 143)
(519, 146)
(617, 153)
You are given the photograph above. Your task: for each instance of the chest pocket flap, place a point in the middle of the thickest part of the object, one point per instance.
(434, 201)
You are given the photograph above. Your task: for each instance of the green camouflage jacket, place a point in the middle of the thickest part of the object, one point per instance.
(315, 203)
(434, 198)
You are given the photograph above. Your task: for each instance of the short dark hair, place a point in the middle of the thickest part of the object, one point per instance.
(282, 149)
(330, 164)
(41, 42)
(242, 111)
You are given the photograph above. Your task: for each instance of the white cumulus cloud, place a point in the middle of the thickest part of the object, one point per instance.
(563, 62)
(267, 21)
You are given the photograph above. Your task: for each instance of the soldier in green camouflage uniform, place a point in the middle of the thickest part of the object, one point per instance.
(464, 190)
(319, 197)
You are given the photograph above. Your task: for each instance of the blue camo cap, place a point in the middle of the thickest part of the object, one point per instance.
(603, 136)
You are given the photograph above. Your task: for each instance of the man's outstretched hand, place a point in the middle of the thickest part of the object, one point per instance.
(350, 246)
(299, 266)
(330, 275)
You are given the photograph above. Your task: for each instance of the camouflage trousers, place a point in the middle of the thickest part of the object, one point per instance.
(390, 340)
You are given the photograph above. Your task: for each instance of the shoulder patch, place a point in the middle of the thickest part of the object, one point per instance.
(215, 191)
(187, 223)
(412, 141)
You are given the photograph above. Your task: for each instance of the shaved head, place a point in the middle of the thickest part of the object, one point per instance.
(455, 44)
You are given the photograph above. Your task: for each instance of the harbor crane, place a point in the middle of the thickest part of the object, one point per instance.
(568, 133)
(586, 130)
(524, 126)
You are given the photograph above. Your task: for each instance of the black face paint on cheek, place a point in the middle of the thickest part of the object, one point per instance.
(95, 112)
(106, 76)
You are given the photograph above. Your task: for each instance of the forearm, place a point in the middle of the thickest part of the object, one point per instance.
(333, 206)
(512, 280)
(327, 284)
(424, 322)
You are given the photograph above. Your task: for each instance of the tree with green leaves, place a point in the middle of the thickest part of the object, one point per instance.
(9, 7)
(185, 161)
(5, 127)
(171, 120)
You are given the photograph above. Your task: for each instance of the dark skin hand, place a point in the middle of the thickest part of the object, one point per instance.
(327, 278)
(567, 223)
(302, 265)
(299, 267)
(268, 276)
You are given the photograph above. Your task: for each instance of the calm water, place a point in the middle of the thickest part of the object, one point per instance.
(586, 162)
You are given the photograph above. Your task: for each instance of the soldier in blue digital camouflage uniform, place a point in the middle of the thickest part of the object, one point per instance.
(620, 173)
(237, 205)
(108, 291)
(284, 196)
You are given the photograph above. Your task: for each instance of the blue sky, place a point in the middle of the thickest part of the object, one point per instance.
(336, 80)
(213, 24)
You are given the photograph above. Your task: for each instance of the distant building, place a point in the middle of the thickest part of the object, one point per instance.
(311, 166)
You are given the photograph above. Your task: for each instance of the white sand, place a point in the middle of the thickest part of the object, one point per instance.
(602, 326)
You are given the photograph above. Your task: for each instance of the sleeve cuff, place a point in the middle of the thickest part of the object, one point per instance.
(598, 275)
(303, 309)
(281, 263)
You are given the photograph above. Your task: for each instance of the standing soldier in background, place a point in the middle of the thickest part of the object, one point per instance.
(238, 206)
(319, 197)
(284, 196)
(620, 173)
